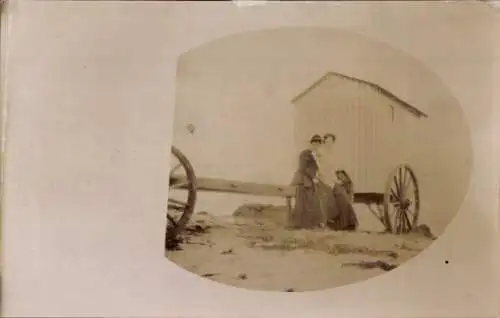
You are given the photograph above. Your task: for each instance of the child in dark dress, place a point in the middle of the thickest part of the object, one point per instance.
(340, 213)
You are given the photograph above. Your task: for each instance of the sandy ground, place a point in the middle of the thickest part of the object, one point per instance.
(252, 249)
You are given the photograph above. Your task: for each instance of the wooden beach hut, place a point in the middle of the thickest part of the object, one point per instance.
(376, 131)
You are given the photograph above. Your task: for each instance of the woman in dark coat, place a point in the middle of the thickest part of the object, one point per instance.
(307, 212)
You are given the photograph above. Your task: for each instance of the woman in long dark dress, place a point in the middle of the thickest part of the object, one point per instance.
(307, 212)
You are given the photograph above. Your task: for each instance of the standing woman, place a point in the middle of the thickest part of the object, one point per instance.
(307, 212)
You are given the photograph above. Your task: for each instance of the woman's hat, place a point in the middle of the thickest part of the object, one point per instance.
(330, 135)
(316, 138)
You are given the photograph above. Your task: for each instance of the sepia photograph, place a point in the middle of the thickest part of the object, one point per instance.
(308, 158)
(222, 159)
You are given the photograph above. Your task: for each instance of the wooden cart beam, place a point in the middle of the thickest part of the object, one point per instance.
(259, 189)
(237, 187)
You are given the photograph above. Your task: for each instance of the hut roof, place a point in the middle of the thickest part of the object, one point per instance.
(371, 85)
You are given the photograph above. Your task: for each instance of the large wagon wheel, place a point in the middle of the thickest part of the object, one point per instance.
(182, 195)
(401, 201)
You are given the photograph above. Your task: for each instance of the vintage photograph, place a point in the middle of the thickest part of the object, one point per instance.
(306, 158)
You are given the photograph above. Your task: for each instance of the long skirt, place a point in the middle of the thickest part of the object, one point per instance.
(339, 211)
(307, 212)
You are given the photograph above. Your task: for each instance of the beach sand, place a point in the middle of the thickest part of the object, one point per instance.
(252, 249)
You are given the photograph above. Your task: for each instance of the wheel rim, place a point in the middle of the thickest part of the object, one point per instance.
(182, 193)
(401, 201)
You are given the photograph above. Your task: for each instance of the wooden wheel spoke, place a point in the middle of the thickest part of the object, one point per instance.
(402, 216)
(175, 208)
(176, 204)
(410, 211)
(400, 177)
(395, 224)
(407, 180)
(396, 214)
(175, 201)
(403, 184)
(402, 221)
(411, 192)
(396, 182)
(174, 169)
(410, 222)
(402, 226)
(180, 185)
(171, 220)
(407, 221)
(394, 195)
(410, 215)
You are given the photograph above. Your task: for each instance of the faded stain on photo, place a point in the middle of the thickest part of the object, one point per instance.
(306, 159)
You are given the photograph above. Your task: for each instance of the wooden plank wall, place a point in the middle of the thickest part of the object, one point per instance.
(364, 123)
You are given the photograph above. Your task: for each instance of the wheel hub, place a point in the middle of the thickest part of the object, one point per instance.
(405, 204)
